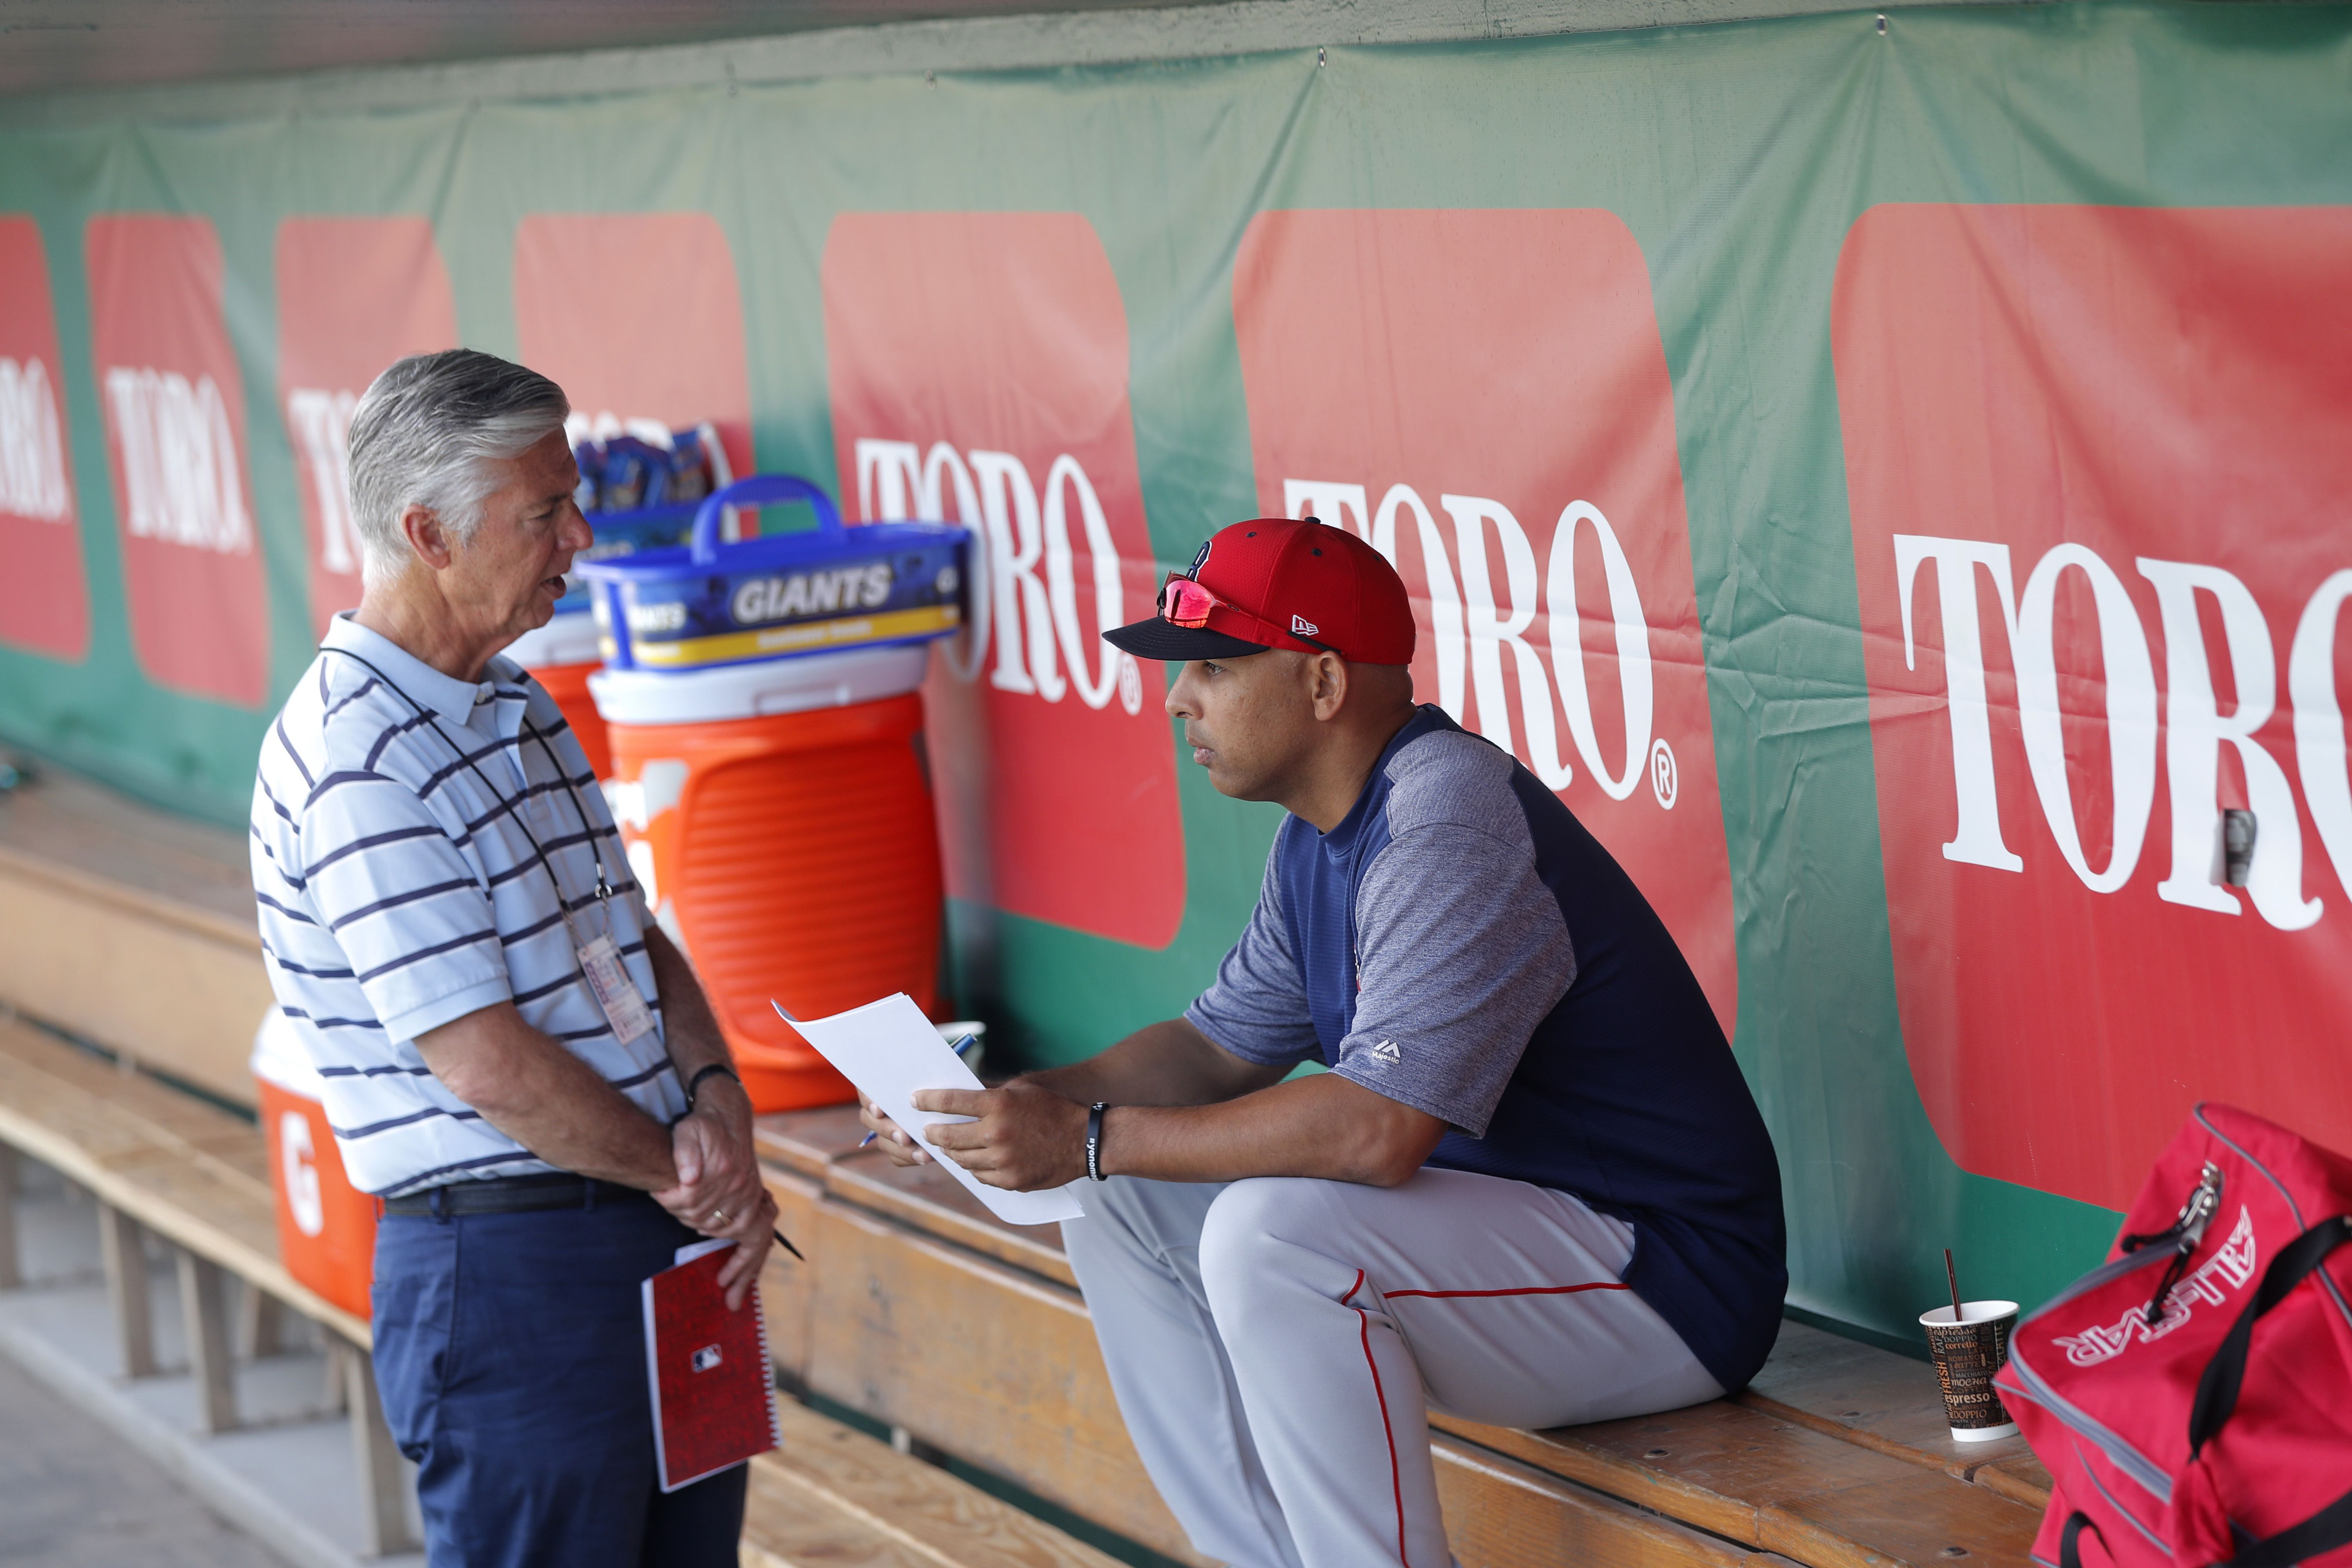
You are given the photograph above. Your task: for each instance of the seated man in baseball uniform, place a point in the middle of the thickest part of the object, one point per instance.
(1533, 1188)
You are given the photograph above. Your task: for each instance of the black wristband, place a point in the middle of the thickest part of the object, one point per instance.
(695, 1082)
(1093, 1138)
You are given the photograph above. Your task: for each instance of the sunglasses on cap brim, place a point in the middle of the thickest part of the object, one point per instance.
(1185, 601)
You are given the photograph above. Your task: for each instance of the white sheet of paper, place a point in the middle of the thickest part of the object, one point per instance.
(888, 1050)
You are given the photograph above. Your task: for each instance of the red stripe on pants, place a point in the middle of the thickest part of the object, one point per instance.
(1524, 1290)
(1396, 1476)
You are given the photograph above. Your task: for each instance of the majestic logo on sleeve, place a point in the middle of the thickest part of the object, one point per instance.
(1384, 1051)
(2098, 500)
(1484, 397)
(978, 364)
(2227, 1271)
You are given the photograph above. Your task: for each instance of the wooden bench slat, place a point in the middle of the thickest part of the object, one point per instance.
(788, 1292)
(916, 1503)
(177, 986)
(2021, 1480)
(932, 1201)
(125, 1261)
(1886, 1401)
(985, 1362)
(1500, 1510)
(1776, 1487)
(786, 1526)
(172, 1176)
(825, 1145)
(204, 1308)
(1916, 1517)
(808, 1141)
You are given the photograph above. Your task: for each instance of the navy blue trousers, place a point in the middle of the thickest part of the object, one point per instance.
(511, 1352)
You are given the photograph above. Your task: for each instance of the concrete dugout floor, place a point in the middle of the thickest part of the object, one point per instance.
(98, 1471)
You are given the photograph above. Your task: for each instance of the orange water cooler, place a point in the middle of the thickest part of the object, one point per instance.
(326, 1226)
(561, 655)
(762, 706)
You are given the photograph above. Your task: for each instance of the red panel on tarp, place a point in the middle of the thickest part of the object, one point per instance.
(353, 295)
(1484, 395)
(637, 316)
(2101, 489)
(175, 402)
(44, 593)
(977, 365)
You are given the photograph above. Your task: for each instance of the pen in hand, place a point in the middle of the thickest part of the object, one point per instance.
(960, 1048)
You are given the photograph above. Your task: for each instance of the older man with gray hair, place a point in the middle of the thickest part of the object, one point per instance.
(516, 1059)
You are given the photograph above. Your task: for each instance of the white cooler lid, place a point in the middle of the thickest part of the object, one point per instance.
(756, 689)
(279, 1058)
(567, 639)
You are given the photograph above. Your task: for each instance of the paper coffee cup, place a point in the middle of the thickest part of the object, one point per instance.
(1967, 1354)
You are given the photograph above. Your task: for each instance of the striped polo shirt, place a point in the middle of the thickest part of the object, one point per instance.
(394, 815)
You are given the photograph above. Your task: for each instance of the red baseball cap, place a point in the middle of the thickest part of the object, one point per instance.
(1279, 581)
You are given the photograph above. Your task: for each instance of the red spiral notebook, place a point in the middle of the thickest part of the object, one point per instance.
(714, 1390)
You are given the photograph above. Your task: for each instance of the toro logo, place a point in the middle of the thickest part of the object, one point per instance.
(44, 597)
(2099, 494)
(979, 376)
(1484, 397)
(637, 316)
(353, 295)
(175, 402)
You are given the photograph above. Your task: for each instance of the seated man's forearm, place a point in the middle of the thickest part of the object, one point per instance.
(530, 1088)
(1323, 1126)
(1167, 1063)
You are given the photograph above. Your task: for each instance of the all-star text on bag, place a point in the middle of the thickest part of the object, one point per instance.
(2192, 1396)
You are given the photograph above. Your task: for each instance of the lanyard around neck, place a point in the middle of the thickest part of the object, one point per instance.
(562, 905)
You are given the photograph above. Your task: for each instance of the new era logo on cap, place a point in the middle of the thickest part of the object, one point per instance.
(1303, 627)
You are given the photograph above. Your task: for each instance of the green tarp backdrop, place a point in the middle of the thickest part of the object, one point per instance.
(1802, 374)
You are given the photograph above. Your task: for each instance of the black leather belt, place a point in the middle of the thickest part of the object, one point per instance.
(515, 1195)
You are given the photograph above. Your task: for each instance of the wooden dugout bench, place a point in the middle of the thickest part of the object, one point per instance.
(196, 1177)
(920, 1310)
(133, 929)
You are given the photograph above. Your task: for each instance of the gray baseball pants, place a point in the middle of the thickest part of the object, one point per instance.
(1276, 1345)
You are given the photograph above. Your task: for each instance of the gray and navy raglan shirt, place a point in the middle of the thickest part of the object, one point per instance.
(1461, 944)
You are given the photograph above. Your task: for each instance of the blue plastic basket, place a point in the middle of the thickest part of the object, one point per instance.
(625, 533)
(779, 595)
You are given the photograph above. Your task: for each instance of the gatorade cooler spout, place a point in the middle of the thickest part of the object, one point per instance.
(326, 1226)
(762, 704)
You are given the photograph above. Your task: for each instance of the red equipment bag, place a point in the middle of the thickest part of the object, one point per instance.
(2192, 1396)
